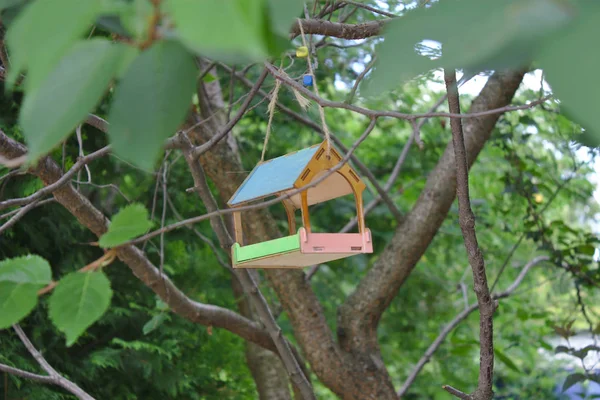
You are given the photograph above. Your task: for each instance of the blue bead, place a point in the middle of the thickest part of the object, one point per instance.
(307, 80)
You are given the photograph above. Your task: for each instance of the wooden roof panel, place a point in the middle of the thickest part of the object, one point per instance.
(273, 176)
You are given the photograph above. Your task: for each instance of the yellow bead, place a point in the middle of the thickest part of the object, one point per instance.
(302, 52)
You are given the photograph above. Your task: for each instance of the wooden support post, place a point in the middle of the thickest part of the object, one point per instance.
(237, 227)
(360, 214)
(304, 208)
(290, 211)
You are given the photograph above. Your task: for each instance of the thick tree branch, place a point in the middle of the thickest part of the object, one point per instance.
(56, 378)
(466, 218)
(338, 30)
(359, 315)
(49, 172)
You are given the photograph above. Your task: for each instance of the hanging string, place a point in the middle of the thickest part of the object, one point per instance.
(321, 111)
(271, 110)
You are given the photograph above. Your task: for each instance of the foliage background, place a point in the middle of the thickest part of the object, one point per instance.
(529, 164)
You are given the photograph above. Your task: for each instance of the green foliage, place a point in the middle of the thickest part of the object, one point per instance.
(568, 58)
(148, 107)
(63, 100)
(477, 35)
(129, 222)
(20, 279)
(36, 51)
(78, 301)
(138, 349)
(154, 92)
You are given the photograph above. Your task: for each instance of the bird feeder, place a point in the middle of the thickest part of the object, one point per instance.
(279, 177)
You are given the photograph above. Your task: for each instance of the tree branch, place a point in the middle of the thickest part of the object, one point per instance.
(27, 375)
(394, 114)
(55, 377)
(134, 258)
(335, 29)
(467, 225)
(60, 182)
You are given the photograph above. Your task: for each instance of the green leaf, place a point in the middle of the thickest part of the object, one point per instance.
(568, 58)
(154, 323)
(572, 380)
(284, 13)
(78, 301)
(77, 83)
(506, 360)
(513, 29)
(43, 32)
(128, 223)
(28, 269)
(9, 3)
(20, 279)
(151, 102)
(135, 17)
(223, 30)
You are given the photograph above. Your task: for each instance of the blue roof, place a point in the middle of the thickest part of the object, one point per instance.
(273, 176)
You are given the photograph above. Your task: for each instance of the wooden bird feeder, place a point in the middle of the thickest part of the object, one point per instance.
(302, 248)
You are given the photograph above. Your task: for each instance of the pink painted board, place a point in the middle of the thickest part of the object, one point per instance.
(334, 243)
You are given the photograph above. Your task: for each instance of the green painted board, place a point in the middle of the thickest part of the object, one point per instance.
(265, 249)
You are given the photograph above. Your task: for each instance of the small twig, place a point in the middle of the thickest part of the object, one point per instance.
(198, 151)
(467, 225)
(231, 87)
(20, 213)
(27, 375)
(162, 220)
(57, 379)
(106, 259)
(207, 70)
(202, 237)
(10, 174)
(62, 181)
(81, 154)
(360, 78)
(457, 393)
(369, 8)
(105, 186)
